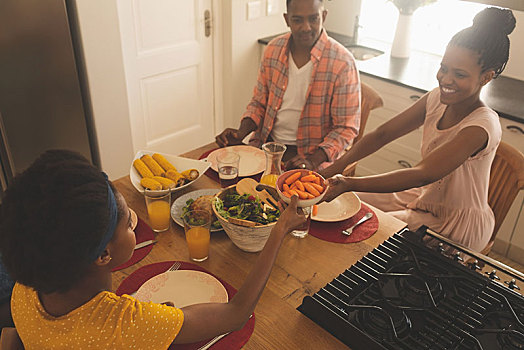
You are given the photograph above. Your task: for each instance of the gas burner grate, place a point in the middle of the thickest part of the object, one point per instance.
(404, 295)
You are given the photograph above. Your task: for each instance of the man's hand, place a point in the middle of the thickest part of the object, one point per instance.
(297, 162)
(229, 137)
(336, 186)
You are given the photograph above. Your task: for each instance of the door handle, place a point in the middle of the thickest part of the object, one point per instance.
(207, 23)
(404, 163)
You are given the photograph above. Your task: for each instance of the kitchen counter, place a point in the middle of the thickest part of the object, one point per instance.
(418, 72)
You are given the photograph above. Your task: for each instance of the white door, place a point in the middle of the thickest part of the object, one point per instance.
(169, 72)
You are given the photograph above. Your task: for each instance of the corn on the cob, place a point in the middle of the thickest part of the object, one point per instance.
(190, 174)
(165, 182)
(142, 168)
(176, 177)
(150, 183)
(152, 165)
(164, 163)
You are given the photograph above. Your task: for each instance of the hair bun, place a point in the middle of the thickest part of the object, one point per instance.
(495, 18)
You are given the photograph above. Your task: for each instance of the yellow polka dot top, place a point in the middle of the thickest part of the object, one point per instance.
(105, 322)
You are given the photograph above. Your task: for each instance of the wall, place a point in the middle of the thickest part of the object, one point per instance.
(515, 68)
(99, 29)
(241, 53)
(341, 15)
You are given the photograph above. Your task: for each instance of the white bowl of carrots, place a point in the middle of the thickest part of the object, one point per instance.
(308, 185)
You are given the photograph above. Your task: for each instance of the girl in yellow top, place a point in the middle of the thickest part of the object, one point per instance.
(64, 228)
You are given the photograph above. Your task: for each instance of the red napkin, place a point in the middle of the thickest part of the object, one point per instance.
(213, 175)
(234, 340)
(331, 231)
(143, 233)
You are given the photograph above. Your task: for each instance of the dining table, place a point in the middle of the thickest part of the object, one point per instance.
(302, 267)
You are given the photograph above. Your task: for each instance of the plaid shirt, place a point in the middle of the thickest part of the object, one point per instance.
(331, 116)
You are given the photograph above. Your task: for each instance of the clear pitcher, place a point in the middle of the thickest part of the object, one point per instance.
(274, 152)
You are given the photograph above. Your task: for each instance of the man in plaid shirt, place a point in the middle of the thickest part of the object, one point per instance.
(307, 95)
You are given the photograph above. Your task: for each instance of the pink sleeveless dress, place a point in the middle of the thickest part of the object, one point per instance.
(456, 206)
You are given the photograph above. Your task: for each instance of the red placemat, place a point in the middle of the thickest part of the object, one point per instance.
(213, 175)
(331, 231)
(143, 233)
(234, 340)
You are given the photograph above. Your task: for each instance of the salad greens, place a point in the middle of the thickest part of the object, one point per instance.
(245, 207)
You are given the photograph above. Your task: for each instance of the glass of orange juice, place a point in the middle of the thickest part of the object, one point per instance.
(159, 209)
(197, 224)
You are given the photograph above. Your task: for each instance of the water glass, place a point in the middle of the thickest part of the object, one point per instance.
(158, 205)
(196, 225)
(303, 231)
(227, 163)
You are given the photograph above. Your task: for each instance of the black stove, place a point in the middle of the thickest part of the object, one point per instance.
(405, 295)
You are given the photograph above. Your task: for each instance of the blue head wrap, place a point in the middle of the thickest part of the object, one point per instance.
(113, 220)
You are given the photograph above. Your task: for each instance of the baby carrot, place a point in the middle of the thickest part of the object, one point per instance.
(301, 194)
(309, 195)
(317, 181)
(292, 178)
(294, 192)
(315, 210)
(311, 189)
(287, 194)
(308, 178)
(300, 186)
(285, 187)
(318, 187)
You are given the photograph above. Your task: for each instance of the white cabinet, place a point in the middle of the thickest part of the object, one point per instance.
(406, 152)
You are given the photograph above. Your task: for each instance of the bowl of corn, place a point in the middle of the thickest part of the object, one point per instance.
(159, 171)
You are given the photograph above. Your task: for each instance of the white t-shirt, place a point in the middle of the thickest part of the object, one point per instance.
(286, 123)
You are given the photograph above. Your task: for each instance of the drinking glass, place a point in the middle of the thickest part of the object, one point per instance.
(158, 205)
(227, 164)
(196, 225)
(303, 231)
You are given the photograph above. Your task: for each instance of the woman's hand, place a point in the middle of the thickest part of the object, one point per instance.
(336, 185)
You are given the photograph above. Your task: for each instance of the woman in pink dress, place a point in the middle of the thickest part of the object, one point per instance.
(448, 190)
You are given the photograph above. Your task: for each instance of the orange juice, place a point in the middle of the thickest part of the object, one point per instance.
(159, 215)
(269, 179)
(198, 242)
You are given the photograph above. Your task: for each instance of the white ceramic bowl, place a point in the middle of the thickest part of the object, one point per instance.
(301, 202)
(180, 163)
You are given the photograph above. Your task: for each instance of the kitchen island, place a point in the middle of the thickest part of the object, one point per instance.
(303, 267)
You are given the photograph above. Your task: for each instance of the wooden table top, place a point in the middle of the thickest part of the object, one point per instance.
(303, 267)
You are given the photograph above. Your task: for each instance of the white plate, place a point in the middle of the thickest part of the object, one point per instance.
(183, 288)
(252, 159)
(180, 203)
(180, 163)
(341, 208)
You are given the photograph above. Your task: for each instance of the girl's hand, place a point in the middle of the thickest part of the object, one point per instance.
(336, 186)
(290, 219)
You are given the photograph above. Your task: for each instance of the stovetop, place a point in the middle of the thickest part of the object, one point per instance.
(405, 295)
